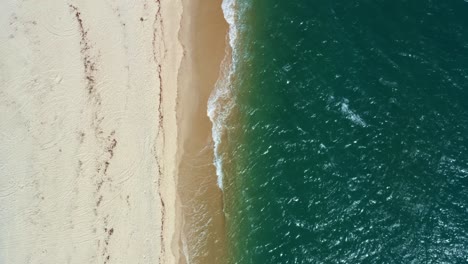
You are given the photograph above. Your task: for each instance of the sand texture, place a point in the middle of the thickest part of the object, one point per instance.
(88, 132)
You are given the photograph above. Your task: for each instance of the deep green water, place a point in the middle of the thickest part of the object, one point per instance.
(348, 139)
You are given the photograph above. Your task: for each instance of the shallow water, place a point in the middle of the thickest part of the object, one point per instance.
(342, 132)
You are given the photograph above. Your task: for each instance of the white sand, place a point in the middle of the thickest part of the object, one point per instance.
(88, 132)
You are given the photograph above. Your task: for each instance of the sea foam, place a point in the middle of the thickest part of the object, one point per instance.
(221, 102)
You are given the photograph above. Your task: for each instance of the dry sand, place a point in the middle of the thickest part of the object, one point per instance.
(88, 132)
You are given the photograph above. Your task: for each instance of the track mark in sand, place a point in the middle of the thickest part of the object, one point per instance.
(106, 140)
(128, 200)
(159, 52)
(105, 252)
(158, 22)
(88, 62)
(112, 143)
(99, 201)
(81, 137)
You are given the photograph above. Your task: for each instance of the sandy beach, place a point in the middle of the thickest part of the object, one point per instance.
(203, 35)
(88, 131)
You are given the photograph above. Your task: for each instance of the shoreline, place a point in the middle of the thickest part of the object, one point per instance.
(203, 36)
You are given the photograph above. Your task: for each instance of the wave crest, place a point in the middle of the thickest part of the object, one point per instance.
(221, 102)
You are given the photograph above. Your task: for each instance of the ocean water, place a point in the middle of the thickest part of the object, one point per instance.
(341, 131)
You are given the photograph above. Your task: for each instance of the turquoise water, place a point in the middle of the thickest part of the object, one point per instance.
(341, 131)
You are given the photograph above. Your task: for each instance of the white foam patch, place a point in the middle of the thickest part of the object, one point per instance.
(221, 102)
(349, 114)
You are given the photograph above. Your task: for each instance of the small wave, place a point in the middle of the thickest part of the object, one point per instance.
(349, 114)
(221, 102)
